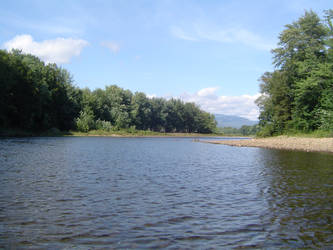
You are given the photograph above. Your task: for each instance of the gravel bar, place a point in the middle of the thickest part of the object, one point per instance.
(283, 142)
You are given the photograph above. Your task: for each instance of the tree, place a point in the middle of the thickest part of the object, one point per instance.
(38, 97)
(295, 95)
(120, 101)
(174, 118)
(158, 114)
(207, 123)
(141, 111)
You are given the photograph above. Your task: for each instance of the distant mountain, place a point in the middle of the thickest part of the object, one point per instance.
(232, 121)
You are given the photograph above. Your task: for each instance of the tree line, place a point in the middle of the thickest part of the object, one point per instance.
(36, 96)
(298, 94)
(245, 130)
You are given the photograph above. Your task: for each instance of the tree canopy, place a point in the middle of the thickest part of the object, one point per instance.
(298, 95)
(35, 96)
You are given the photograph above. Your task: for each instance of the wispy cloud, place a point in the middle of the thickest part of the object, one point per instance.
(112, 46)
(56, 26)
(226, 35)
(180, 33)
(209, 100)
(59, 50)
(52, 28)
(49, 18)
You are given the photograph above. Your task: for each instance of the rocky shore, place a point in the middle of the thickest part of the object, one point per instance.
(284, 142)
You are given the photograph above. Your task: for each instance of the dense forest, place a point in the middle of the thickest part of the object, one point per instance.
(298, 95)
(38, 97)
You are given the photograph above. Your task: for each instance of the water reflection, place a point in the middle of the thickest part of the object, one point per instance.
(161, 192)
(298, 188)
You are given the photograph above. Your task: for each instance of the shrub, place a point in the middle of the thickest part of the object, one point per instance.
(267, 130)
(85, 121)
(103, 125)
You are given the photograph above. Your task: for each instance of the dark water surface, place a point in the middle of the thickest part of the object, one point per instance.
(101, 192)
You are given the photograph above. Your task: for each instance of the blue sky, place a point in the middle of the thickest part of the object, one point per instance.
(209, 52)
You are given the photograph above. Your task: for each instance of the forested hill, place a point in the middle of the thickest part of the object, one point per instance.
(37, 97)
(298, 95)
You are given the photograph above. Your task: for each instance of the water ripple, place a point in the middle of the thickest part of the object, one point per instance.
(161, 193)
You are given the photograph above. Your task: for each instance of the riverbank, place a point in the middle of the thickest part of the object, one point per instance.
(116, 133)
(283, 142)
(139, 133)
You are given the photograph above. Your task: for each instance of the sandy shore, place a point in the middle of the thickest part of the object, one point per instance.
(284, 142)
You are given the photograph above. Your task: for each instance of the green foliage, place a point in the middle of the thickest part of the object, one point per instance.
(228, 131)
(131, 112)
(245, 130)
(131, 130)
(297, 96)
(141, 111)
(85, 121)
(35, 96)
(249, 130)
(265, 131)
(39, 97)
(103, 125)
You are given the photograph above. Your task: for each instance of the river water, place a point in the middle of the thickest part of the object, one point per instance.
(101, 192)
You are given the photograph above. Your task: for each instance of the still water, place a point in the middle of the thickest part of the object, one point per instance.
(100, 192)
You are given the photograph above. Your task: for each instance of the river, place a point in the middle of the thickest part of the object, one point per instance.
(102, 192)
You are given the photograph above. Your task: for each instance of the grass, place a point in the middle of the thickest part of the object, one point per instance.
(303, 134)
(312, 134)
(137, 133)
(145, 133)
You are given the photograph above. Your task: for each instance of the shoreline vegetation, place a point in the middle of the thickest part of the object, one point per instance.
(295, 98)
(118, 133)
(312, 142)
(297, 95)
(307, 144)
(36, 96)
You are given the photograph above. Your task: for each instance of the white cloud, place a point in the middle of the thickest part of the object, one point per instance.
(208, 100)
(229, 35)
(59, 50)
(179, 33)
(113, 46)
(207, 92)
